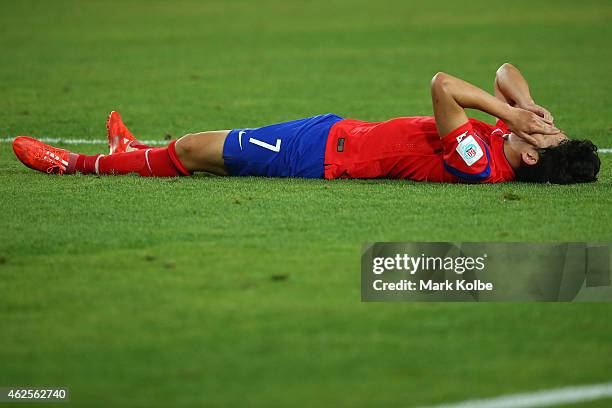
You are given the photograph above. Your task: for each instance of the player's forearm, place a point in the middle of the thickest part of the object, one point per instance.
(513, 85)
(469, 96)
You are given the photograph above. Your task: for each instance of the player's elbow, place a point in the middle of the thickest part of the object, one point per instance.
(439, 78)
(506, 66)
(440, 82)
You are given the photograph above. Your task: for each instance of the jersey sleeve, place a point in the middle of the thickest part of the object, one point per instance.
(466, 155)
(500, 124)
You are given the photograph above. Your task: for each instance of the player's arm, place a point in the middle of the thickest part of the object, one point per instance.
(512, 87)
(451, 96)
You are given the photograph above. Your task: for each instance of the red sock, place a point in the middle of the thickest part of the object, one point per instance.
(82, 163)
(157, 162)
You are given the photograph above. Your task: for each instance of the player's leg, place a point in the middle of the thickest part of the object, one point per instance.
(289, 149)
(157, 162)
(197, 151)
(203, 151)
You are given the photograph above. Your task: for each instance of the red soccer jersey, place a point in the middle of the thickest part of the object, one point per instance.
(410, 148)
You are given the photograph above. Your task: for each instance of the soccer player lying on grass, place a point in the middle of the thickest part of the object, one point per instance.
(449, 147)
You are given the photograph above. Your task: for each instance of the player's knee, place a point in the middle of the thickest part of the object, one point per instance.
(187, 148)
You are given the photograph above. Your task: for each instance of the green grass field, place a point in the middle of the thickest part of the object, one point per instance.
(228, 292)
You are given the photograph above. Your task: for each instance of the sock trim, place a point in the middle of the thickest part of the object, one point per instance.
(176, 161)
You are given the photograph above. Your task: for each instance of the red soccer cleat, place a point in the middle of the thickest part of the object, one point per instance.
(39, 156)
(119, 136)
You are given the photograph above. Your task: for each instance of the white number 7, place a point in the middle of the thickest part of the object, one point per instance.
(274, 148)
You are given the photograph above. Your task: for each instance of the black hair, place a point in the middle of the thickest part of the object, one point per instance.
(572, 161)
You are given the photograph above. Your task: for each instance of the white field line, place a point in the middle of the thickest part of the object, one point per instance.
(72, 141)
(84, 141)
(546, 398)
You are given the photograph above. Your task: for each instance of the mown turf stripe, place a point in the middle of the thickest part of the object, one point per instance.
(546, 398)
(147, 142)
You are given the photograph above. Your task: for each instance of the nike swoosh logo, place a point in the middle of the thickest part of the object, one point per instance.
(240, 138)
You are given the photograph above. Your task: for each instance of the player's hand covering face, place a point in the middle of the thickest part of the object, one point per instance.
(545, 141)
(538, 110)
(527, 125)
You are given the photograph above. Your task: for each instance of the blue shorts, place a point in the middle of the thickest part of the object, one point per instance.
(289, 149)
